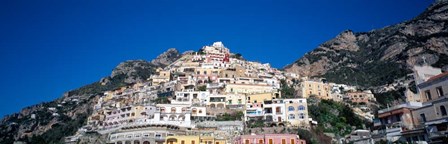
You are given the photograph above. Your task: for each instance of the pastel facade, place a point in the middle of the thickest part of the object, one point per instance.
(190, 97)
(318, 89)
(175, 114)
(248, 88)
(125, 115)
(260, 97)
(361, 97)
(269, 139)
(194, 140)
(297, 112)
(149, 136)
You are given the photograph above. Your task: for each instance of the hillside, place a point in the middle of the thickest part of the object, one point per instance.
(75, 106)
(380, 56)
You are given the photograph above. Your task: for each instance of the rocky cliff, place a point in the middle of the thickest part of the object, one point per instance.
(380, 56)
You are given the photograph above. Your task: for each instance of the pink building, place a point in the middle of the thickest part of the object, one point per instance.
(269, 139)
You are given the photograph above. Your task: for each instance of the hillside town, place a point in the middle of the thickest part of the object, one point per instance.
(215, 96)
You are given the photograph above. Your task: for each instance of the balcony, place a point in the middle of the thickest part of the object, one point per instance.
(437, 134)
(393, 130)
(215, 85)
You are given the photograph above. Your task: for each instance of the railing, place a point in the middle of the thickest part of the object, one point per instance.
(177, 123)
(437, 134)
(393, 130)
(409, 104)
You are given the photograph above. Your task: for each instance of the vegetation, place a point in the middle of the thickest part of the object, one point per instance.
(162, 100)
(255, 123)
(334, 117)
(367, 75)
(388, 98)
(313, 137)
(237, 56)
(96, 87)
(202, 88)
(237, 116)
(286, 90)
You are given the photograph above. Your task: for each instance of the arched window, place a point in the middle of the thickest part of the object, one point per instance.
(443, 110)
(290, 108)
(301, 107)
(301, 116)
(173, 110)
(291, 116)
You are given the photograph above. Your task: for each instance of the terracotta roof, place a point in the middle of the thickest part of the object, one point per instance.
(438, 76)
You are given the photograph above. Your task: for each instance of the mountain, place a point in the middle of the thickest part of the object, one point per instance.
(73, 108)
(380, 56)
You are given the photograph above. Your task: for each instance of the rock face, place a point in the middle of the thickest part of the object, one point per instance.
(134, 71)
(380, 56)
(166, 58)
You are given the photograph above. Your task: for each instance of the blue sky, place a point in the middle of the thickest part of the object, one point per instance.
(49, 47)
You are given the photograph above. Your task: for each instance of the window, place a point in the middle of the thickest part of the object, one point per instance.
(260, 141)
(439, 91)
(301, 107)
(301, 116)
(182, 142)
(270, 141)
(443, 110)
(398, 117)
(247, 142)
(422, 116)
(291, 116)
(428, 95)
(292, 141)
(283, 141)
(290, 108)
(192, 142)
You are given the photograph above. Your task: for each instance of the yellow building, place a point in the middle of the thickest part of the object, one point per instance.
(164, 76)
(238, 71)
(193, 140)
(248, 88)
(260, 97)
(319, 89)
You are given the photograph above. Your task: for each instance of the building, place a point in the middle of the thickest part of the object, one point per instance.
(420, 75)
(433, 114)
(269, 139)
(318, 89)
(139, 136)
(297, 112)
(163, 76)
(190, 97)
(360, 137)
(174, 114)
(260, 97)
(249, 88)
(361, 97)
(194, 140)
(124, 115)
(393, 121)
